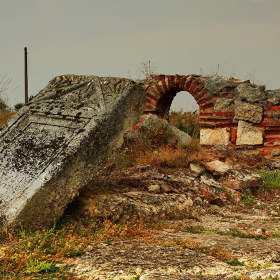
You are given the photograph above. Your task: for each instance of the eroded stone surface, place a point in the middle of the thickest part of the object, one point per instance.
(53, 146)
(223, 104)
(248, 112)
(248, 135)
(219, 136)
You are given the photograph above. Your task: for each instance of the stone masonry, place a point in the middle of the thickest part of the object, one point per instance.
(54, 146)
(232, 112)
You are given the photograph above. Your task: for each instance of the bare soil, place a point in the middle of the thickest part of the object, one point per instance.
(192, 237)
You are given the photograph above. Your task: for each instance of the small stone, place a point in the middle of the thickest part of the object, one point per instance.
(217, 167)
(165, 188)
(139, 168)
(274, 213)
(186, 204)
(196, 169)
(154, 188)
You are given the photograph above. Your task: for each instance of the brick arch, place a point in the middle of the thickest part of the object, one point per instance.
(162, 90)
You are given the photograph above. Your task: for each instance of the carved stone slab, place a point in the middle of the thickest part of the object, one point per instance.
(54, 146)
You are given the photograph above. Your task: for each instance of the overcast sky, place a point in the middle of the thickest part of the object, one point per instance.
(112, 38)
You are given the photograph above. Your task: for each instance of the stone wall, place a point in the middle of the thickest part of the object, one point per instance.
(232, 112)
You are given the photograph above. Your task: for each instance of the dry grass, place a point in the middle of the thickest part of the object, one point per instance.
(152, 147)
(185, 121)
(4, 116)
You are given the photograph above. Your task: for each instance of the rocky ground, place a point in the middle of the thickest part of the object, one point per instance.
(213, 219)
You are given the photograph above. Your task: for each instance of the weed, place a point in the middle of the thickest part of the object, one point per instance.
(186, 121)
(4, 83)
(234, 262)
(248, 200)
(147, 70)
(35, 253)
(270, 177)
(196, 229)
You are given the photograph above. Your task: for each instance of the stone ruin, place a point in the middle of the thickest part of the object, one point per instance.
(53, 146)
(232, 112)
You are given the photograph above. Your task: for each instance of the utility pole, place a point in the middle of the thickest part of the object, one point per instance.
(25, 76)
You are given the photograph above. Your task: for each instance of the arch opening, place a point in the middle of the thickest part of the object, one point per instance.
(181, 110)
(184, 102)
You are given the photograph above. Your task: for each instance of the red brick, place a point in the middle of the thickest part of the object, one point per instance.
(187, 86)
(192, 87)
(151, 96)
(229, 125)
(271, 133)
(149, 107)
(183, 81)
(200, 94)
(271, 108)
(177, 80)
(172, 81)
(233, 135)
(198, 88)
(206, 106)
(154, 92)
(159, 77)
(264, 123)
(223, 114)
(150, 102)
(160, 90)
(267, 140)
(262, 154)
(226, 95)
(203, 100)
(205, 114)
(164, 85)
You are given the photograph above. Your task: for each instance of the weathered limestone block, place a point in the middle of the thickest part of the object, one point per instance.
(248, 112)
(53, 146)
(250, 94)
(248, 135)
(218, 136)
(223, 104)
(217, 167)
(152, 124)
(216, 83)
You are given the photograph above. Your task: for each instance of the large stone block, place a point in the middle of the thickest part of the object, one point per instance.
(223, 104)
(218, 136)
(152, 125)
(248, 135)
(53, 146)
(247, 93)
(248, 112)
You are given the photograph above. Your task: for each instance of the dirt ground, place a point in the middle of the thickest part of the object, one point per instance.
(193, 236)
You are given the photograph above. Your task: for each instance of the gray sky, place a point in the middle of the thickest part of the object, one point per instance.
(113, 37)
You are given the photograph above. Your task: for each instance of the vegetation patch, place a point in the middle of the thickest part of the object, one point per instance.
(43, 253)
(270, 177)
